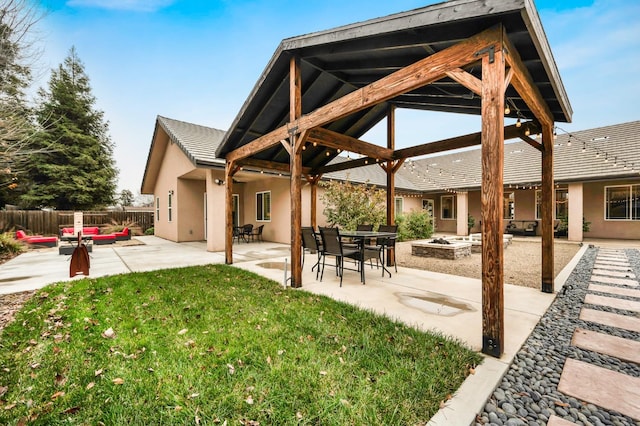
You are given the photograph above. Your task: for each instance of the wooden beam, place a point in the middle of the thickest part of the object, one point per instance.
(457, 142)
(532, 142)
(285, 144)
(491, 204)
(421, 73)
(295, 89)
(336, 140)
(522, 81)
(466, 79)
(547, 207)
(391, 181)
(345, 165)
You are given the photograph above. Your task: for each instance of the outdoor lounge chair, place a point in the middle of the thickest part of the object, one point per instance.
(332, 246)
(36, 240)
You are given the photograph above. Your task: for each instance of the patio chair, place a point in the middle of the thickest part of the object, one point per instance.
(257, 233)
(246, 232)
(332, 246)
(311, 244)
(377, 250)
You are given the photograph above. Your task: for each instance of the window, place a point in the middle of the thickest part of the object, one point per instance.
(399, 206)
(263, 206)
(157, 209)
(169, 205)
(562, 203)
(508, 206)
(448, 207)
(428, 206)
(622, 202)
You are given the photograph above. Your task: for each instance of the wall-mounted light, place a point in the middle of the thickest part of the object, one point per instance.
(171, 192)
(218, 182)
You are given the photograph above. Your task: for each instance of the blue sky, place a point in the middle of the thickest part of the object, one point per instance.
(198, 60)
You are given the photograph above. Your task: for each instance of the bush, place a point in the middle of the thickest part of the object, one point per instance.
(9, 246)
(149, 231)
(415, 225)
(349, 205)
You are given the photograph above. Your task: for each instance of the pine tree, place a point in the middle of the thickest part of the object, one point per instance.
(17, 17)
(74, 169)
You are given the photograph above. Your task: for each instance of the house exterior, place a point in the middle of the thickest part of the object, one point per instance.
(597, 176)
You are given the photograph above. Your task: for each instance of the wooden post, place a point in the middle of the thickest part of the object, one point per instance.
(391, 178)
(493, 77)
(228, 205)
(313, 181)
(546, 208)
(391, 143)
(296, 143)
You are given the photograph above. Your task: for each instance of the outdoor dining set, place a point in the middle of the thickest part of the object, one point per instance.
(247, 233)
(360, 246)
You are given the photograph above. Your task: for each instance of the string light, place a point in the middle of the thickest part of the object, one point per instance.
(518, 122)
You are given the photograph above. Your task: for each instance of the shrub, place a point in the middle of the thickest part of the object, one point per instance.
(9, 246)
(349, 205)
(415, 225)
(149, 231)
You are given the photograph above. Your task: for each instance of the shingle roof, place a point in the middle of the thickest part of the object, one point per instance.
(619, 143)
(373, 174)
(199, 143)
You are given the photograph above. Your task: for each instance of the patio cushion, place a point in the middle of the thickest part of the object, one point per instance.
(103, 239)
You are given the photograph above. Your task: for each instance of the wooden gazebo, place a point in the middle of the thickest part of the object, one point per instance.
(321, 92)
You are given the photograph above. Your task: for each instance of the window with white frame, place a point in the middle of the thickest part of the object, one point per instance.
(448, 207)
(622, 202)
(399, 205)
(170, 206)
(263, 206)
(562, 203)
(157, 209)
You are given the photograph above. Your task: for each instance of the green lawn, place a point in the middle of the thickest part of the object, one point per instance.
(205, 345)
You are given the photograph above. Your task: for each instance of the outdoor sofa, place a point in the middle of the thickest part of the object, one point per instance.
(521, 227)
(36, 240)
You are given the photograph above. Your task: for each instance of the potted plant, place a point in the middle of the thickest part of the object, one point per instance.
(471, 221)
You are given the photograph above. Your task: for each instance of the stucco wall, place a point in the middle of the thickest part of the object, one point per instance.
(190, 210)
(594, 212)
(278, 229)
(174, 163)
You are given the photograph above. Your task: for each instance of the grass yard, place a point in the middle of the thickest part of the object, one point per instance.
(216, 344)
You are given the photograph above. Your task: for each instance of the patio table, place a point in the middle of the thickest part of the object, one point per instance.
(360, 237)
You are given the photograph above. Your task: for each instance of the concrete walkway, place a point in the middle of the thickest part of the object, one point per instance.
(448, 304)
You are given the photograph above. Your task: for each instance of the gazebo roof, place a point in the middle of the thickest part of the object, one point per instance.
(341, 60)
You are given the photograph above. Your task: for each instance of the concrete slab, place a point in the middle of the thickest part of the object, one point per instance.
(558, 421)
(614, 273)
(615, 257)
(620, 291)
(612, 302)
(612, 280)
(624, 349)
(611, 319)
(597, 385)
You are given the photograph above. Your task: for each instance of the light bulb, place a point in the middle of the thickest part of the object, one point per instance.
(518, 123)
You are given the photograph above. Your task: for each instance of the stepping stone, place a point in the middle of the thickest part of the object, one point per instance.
(612, 280)
(610, 263)
(613, 320)
(624, 349)
(612, 273)
(611, 267)
(612, 259)
(559, 421)
(619, 291)
(609, 389)
(612, 302)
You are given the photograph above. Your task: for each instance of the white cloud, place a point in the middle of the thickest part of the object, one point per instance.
(134, 5)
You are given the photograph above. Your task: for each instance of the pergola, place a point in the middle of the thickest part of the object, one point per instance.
(321, 92)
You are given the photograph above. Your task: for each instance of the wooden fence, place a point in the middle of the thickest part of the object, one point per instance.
(49, 222)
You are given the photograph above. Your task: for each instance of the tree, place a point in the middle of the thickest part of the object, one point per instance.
(17, 19)
(349, 205)
(74, 168)
(126, 198)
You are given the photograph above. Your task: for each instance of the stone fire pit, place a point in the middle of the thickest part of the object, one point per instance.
(442, 249)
